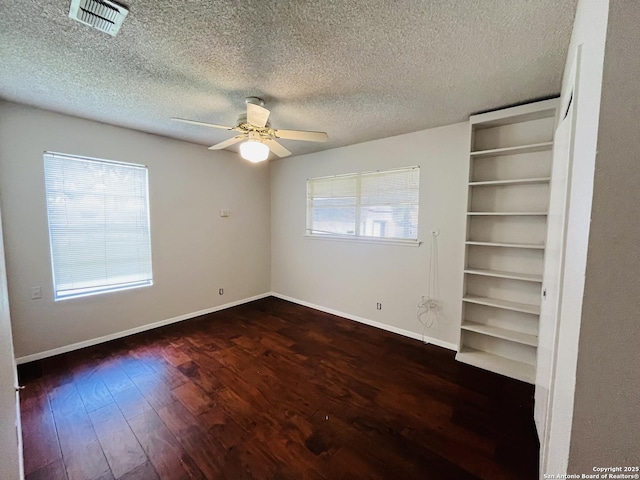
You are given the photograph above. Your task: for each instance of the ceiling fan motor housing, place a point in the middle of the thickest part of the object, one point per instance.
(254, 101)
(242, 120)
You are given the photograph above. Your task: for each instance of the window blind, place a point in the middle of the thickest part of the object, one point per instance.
(380, 204)
(99, 230)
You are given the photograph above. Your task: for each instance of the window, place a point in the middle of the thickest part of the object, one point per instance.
(374, 205)
(98, 225)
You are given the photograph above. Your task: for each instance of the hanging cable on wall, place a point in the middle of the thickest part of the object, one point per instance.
(429, 306)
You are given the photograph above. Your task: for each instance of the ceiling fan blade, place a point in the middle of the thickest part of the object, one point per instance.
(228, 143)
(257, 115)
(302, 135)
(202, 124)
(276, 148)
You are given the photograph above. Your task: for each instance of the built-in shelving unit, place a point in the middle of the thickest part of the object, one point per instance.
(535, 246)
(502, 365)
(498, 152)
(525, 277)
(504, 333)
(510, 168)
(504, 304)
(518, 181)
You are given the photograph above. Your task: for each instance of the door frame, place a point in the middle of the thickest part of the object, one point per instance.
(569, 105)
(12, 464)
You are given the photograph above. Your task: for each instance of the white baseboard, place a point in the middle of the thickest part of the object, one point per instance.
(133, 331)
(180, 318)
(372, 323)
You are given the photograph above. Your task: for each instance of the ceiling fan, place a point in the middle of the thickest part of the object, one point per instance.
(257, 135)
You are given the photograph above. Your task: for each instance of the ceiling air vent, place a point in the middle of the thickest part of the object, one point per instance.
(104, 15)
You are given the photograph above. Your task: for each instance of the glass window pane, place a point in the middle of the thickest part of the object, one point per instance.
(377, 204)
(99, 228)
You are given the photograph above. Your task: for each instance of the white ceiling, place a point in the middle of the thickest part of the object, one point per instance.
(359, 70)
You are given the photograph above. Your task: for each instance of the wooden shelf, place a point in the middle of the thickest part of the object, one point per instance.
(534, 246)
(503, 333)
(498, 152)
(504, 366)
(508, 198)
(517, 181)
(525, 277)
(517, 114)
(508, 214)
(503, 304)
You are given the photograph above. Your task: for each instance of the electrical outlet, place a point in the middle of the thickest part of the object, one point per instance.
(378, 306)
(221, 291)
(36, 293)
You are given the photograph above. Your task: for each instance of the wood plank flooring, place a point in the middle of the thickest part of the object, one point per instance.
(272, 390)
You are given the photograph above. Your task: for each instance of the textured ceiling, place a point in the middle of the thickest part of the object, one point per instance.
(359, 70)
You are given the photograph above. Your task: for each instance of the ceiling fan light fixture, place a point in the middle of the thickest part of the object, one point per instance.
(256, 138)
(254, 150)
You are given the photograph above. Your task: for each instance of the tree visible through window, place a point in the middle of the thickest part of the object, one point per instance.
(99, 230)
(380, 205)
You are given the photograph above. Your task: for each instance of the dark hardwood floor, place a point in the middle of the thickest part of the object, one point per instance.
(272, 390)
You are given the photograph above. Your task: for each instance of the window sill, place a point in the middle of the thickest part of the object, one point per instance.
(378, 241)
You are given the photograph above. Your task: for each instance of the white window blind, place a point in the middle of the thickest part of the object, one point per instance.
(98, 225)
(381, 205)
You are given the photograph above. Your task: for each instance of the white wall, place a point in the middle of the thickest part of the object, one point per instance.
(590, 32)
(606, 424)
(195, 251)
(351, 277)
